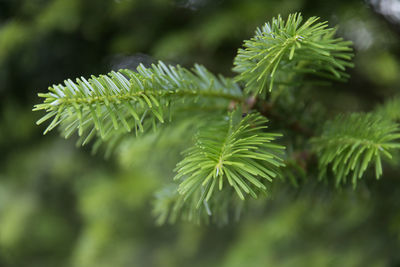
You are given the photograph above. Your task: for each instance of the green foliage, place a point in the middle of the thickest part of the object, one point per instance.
(59, 206)
(350, 143)
(234, 155)
(281, 50)
(126, 100)
(235, 151)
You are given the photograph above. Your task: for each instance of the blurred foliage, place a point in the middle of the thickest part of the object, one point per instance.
(60, 206)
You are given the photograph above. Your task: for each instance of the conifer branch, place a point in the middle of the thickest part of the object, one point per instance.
(281, 50)
(234, 151)
(350, 143)
(126, 100)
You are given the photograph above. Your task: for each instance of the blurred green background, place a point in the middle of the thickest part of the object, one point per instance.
(61, 206)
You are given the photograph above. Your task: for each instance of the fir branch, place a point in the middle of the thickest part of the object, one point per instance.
(282, 49)
(126, 100)
(350, 143)
(234, 151)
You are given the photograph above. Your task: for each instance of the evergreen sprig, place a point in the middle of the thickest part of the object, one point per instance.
(282, 49)
(127, 100)
(235, 151)
(350, 143)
